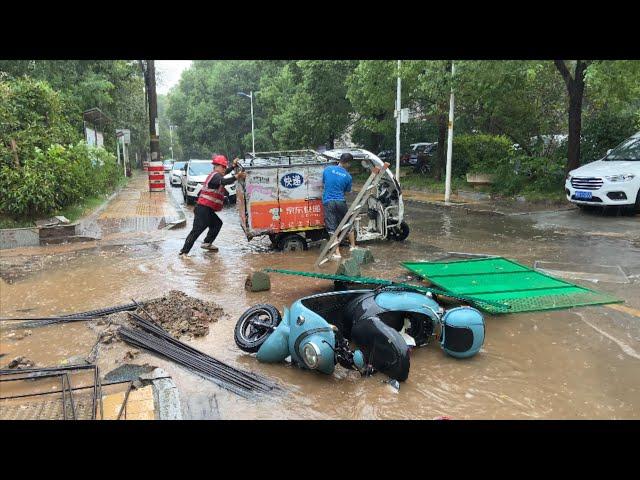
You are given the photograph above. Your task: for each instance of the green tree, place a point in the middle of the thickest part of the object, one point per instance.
(210, 115)
(114, 86)
(306, 102)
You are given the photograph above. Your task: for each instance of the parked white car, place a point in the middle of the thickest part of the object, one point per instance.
(613, 180)
(194, 175)
(175, 174)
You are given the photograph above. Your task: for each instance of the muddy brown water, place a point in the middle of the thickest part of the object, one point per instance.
(578, 363)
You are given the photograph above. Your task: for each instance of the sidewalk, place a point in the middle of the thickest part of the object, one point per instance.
(134, 208)
(131, 211)
(135, 200)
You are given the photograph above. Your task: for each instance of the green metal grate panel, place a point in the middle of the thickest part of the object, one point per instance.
(505, 281)
(485, 304)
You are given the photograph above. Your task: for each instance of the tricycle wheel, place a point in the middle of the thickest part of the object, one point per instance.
(292, 243)
(399, 232)
(255, 325)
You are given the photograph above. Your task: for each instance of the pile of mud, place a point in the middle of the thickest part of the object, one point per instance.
(182, 315)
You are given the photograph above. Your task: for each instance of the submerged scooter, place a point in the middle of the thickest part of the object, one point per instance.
(384, 324)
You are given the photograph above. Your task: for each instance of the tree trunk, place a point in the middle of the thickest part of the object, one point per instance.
(575, 89)
(14, 149)
(575, 126)
(441, 150)
(331, 141)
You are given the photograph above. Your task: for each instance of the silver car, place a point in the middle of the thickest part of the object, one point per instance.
(175, 174)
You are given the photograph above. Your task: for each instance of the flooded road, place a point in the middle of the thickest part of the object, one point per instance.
(578, 363)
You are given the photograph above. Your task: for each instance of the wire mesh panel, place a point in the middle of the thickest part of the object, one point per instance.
(505, 281)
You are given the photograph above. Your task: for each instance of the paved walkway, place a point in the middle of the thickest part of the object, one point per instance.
(135, 200)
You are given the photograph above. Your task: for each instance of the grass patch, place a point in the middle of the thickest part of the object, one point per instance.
(415, 181)
(555, 196)
(8, 222)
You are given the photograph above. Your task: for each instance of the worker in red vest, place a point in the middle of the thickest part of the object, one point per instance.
(210, 201)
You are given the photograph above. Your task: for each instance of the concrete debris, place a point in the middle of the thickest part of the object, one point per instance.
(183, 315)
(131, 354)
(19, 335)
(21, 362)
(362, 255)
(257, 282)
(108, 336)
(128, 372)
(349, 267)
(74, 360)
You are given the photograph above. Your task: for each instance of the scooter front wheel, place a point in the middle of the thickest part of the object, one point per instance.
(255, 325)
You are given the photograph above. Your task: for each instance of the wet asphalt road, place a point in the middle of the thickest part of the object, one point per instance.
(577, 363)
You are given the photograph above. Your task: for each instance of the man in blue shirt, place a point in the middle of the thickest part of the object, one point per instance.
(337, 181)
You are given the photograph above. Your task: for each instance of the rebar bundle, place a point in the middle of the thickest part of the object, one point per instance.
(153, 338)
(73, 317)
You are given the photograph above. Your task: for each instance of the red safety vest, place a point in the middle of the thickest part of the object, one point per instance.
(213, 199)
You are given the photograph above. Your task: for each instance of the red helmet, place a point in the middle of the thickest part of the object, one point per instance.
(220, 160)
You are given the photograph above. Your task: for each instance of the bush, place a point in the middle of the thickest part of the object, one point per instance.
(55, 178)
(32, 115)
(524, 174)
(480, 153)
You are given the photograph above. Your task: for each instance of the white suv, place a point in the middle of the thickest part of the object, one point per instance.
(195, 173)
(613, 180)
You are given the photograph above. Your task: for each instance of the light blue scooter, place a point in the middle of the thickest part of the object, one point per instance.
(384, 324)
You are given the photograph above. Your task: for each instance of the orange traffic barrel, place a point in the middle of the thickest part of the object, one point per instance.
(156, 177)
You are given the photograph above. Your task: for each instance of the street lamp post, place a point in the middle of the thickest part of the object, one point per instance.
(171, 127)
(253, 138)
(398, 120)
(447, 183)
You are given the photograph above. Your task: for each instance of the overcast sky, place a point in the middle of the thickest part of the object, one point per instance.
(168, 74)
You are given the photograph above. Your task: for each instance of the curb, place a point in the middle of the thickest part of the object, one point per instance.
(93, 216)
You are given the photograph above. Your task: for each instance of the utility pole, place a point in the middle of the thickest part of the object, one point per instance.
(398, 91)
(171, 139)
(156, 170)
(447, 184)
(253, 138)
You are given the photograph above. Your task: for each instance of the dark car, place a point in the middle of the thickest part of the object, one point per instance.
(420, 157)
(387, 156)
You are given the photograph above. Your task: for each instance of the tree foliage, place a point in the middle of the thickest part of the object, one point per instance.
(114, 86)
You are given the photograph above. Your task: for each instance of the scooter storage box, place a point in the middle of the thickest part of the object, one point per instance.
(462, 332)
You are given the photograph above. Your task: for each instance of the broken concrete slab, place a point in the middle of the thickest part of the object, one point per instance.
(349, 267)
(362, 255)
(257, 282)
(49, 222)
(128, 372)
(166, 394)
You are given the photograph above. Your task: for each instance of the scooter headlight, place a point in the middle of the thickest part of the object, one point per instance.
(311, 355)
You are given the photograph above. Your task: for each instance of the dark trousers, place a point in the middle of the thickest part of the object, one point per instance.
(204, 218)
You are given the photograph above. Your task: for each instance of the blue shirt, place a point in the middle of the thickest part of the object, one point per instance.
(336, 181)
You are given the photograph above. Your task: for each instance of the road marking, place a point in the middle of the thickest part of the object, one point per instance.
(621, 308)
